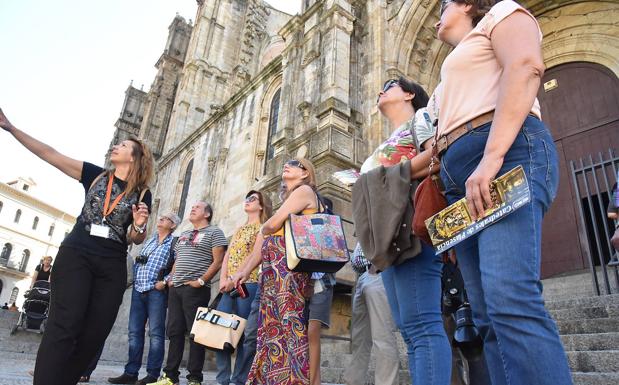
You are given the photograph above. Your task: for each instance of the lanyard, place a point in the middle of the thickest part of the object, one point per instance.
(107, 210)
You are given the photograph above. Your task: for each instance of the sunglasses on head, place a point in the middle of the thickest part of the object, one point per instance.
(444, 5)
(296, 163)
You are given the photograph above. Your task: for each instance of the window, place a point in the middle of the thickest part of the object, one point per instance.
(14, 294)
(6, 254)
(186, 181)
(273, 120)
(35, 223)
(25, 256)
(51, 230)
(1, 205)
(25, 187)
(17, 216)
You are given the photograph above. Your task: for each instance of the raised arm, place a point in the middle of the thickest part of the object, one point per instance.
(69, 166)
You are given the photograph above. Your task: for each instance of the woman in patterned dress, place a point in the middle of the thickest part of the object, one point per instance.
(258, 209)
(282, 353)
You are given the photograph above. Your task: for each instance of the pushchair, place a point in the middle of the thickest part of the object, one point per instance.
(33, 315)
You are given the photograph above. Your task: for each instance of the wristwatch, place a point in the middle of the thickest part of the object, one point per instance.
(139, 229)
(201, 281)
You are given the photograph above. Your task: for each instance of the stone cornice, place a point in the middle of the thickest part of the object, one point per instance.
(271, 69)
(26, 198)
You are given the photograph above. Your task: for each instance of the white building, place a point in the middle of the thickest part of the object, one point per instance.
(29, 230)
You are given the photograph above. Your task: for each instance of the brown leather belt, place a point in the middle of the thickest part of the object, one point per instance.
(446, 140)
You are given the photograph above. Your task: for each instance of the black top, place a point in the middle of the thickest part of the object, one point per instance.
(42, 274)
(118, 221)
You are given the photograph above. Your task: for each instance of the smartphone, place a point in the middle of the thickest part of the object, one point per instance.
(239, 291)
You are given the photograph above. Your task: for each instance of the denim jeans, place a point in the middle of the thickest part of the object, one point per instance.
(414, 294)
(241, 307)
(148, 306)
(501, 264)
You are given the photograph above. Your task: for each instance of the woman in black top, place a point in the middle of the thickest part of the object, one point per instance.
(90, 272)
(43, 270)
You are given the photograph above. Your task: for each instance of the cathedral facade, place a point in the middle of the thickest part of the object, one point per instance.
(246, 87)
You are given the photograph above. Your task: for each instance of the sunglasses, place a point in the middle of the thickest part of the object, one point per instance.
(390, 84)
(296, 163)
(251, 198)
(444, 5)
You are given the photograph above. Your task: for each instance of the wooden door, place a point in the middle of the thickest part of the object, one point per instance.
(580, 104)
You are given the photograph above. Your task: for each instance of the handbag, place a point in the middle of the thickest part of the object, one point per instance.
(428, 199)
(315, 242)
(216, 329)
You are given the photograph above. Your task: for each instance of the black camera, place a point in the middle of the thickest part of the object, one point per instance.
(141, 259)
(466, 336)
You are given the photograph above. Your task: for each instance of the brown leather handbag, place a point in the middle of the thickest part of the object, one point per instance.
(429, 198)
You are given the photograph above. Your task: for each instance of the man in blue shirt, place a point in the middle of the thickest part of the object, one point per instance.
(148, 303)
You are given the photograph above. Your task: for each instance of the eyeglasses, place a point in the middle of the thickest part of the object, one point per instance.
(164, 218)
(390, 84)
(251, 198)
(296, 163)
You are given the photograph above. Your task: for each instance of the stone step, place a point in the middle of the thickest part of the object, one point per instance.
(588, 326)
(584, 302)
(581, 378)
(605, 311)
(336, 375)
(591, 342)
(606, 361)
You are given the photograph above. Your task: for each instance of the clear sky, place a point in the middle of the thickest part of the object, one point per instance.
(64, 68)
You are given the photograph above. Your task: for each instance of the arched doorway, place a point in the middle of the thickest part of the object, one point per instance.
(579, 103)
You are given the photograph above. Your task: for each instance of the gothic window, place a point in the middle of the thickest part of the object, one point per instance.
(6, 253)
(273, 120)
(1, 205)
(186, 181)
(17, 216)
(35, 223)
(25, 256)
(51, 230)
(14, 294)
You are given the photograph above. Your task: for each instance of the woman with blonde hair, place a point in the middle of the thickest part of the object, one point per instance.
(90, 273)
(282, 352)
(258, 208)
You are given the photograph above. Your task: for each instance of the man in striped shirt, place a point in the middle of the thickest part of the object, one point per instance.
(149, 303)
(199, 254)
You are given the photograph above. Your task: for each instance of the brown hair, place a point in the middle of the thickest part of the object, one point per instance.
(141, 173)
(479, 8)
(265, 203)
(309, 180)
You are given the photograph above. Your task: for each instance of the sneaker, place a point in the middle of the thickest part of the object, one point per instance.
(163, 380)
(123, 379)
(194, 382)
(146, 380)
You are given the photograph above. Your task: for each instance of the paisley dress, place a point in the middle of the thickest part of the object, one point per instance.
(282, 350)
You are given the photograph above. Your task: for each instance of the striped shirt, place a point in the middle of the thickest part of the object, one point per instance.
(158, 254)
(194, 253)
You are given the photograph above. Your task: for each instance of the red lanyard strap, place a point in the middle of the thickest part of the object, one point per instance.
(107, 209)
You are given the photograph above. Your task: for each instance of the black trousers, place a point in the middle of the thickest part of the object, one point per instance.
(87, 291)
(183, 302)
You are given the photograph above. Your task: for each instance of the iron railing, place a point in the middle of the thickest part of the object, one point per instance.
(593, 180)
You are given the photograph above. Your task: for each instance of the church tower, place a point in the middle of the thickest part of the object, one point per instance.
(160, 98)
(130, 119)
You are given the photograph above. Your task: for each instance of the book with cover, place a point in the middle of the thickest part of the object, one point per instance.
(453, 224)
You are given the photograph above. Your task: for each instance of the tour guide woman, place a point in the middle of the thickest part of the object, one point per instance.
(488, 123)
(90, 273)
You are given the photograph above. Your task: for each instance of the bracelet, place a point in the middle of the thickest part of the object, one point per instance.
(139, 230)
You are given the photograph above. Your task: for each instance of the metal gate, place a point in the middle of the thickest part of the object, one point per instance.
(593, 179)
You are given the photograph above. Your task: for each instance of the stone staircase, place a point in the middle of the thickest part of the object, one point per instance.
(588, 324)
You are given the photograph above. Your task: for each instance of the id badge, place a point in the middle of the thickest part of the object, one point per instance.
(99, 231)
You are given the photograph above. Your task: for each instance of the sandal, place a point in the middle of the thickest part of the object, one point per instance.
(84, 379)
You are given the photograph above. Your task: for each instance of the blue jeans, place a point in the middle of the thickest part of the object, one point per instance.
(414, 294)
(501, 264)
(150, 306)
(241, 307)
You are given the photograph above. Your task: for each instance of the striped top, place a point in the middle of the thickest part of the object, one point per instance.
(194, 253)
